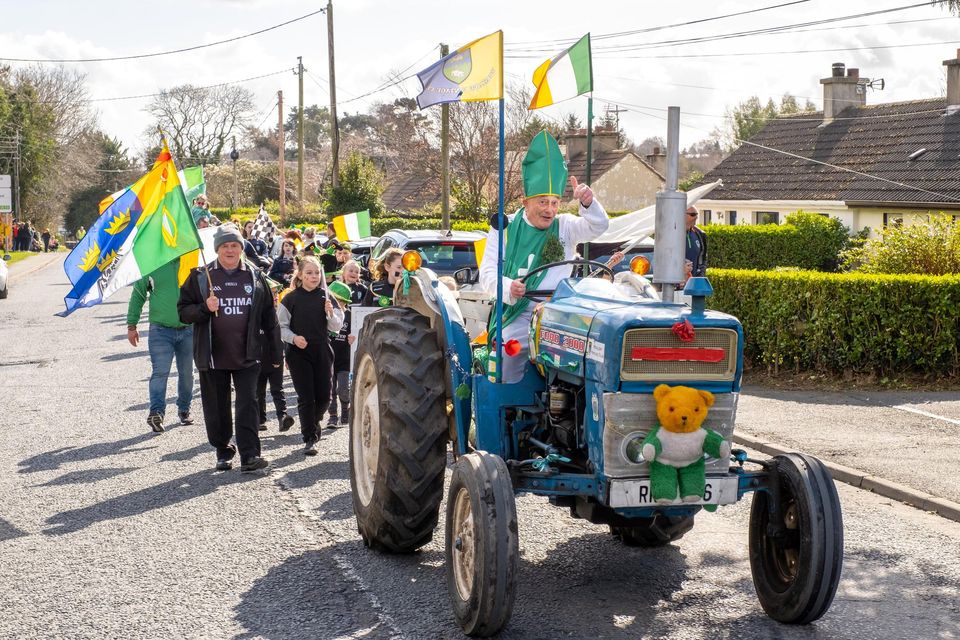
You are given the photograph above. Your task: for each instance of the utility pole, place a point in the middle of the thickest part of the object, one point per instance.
(300, 138)
(445, 153)
(234, 156)
(281, 147)
(334, 127)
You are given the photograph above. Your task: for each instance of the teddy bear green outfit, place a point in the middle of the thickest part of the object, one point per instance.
(675, 446)
(671, 469)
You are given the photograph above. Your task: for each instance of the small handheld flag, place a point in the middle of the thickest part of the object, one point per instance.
(352, 226)
(566, 75)
(263, 227)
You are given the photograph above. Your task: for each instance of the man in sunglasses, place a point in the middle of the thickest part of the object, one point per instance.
(696, 245)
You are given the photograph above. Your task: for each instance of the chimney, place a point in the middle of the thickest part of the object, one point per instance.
(841, 92)
(953, 84)
(657, 160)
(576, 140)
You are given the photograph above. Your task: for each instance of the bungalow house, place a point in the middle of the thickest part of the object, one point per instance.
(867, 165)
(622, 180)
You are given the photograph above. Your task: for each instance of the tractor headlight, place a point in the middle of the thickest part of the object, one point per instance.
(632, 446)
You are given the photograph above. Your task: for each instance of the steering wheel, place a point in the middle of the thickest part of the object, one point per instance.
(540, 293)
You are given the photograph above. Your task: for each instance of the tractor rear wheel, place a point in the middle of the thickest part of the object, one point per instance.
(482, 543)
(398, 431)
(653, 532)
(796, 562)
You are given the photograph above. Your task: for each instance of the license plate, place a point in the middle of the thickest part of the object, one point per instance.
(636, 493)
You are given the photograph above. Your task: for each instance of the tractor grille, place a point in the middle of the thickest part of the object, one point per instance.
(672, 370)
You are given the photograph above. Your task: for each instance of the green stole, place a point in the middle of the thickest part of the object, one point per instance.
(521, 241)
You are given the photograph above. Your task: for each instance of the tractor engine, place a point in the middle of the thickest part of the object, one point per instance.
(564, 415)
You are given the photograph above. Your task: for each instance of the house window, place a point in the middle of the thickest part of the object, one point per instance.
(767, 217)
(732, 216)
(893, 220)
(708, 216)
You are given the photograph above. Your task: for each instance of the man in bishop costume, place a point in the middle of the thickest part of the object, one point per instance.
(536, 235)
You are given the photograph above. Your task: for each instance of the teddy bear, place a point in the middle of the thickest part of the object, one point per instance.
(675, 447)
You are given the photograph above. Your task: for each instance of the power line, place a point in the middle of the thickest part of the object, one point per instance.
(172, 51)
(792, 118)
(800, 157)
(392, 83)
(777, 29)
(153, 95)
(795, 51)
(604, 36)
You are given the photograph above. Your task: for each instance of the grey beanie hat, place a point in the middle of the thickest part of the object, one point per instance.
(226, 233)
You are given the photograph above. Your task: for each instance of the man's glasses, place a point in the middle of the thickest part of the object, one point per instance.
(692, 215)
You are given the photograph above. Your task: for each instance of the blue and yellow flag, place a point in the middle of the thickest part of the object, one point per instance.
(144, 227)
(472, 73)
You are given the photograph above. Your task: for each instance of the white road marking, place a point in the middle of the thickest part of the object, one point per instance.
(921, 412)
(346, 567)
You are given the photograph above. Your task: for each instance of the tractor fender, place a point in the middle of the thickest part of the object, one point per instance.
(426, 295)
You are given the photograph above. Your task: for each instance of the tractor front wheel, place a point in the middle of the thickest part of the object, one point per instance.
(796, 559)
(398, 431)
(482, 544)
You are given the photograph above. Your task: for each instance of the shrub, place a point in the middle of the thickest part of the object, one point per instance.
(931, 247)
(807, 241)
(839, 322)
(379, 226)
(360, 188)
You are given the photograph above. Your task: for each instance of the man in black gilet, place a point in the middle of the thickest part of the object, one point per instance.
(229, 320)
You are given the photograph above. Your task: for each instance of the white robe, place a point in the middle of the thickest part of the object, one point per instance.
(574, 230)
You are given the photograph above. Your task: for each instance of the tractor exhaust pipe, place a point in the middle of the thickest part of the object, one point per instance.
(671, 230)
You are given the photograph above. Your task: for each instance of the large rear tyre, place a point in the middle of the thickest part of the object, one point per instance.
(657, 531)
(796, 567)
(482, 544)
(398, 431)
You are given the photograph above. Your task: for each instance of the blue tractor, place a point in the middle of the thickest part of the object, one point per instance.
(568, 430)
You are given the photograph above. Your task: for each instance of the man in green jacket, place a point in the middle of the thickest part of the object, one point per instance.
(168, 338)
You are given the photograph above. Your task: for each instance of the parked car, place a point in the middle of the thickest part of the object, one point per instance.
(601, 252)
(4, 272)
(443, 252)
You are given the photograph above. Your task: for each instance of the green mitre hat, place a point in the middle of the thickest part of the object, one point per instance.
(544, 170)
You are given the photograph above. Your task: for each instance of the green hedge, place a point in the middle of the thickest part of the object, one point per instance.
(842, 322)
(379, 226)
(807, 241)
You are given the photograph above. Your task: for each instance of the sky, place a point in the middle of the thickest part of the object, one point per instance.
(376, 39)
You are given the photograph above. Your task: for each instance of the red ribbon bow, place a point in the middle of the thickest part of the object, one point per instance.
(684, 331)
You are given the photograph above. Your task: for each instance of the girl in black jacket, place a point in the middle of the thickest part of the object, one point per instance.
(282, 269)
(306, 317)
(386, 273)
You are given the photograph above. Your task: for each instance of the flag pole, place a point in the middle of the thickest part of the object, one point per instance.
(203, 257)
(588, 178)
(501, 224)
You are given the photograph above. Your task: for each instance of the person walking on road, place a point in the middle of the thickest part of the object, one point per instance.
(230, 306)
(306, 317)
(169, 338)
(340, 342)
(45, 236)
(273, 376)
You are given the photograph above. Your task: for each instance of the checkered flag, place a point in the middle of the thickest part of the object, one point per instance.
(263, 227)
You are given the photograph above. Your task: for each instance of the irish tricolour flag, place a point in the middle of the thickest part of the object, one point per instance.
(566, 75)
(352, 226)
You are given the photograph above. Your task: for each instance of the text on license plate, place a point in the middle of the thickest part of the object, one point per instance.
(636, 493)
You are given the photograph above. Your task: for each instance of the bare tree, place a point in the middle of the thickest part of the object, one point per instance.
(951, 5)
(199, 121)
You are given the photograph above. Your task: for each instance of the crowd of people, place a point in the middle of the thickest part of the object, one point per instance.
(259, 310)
(26, 237)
